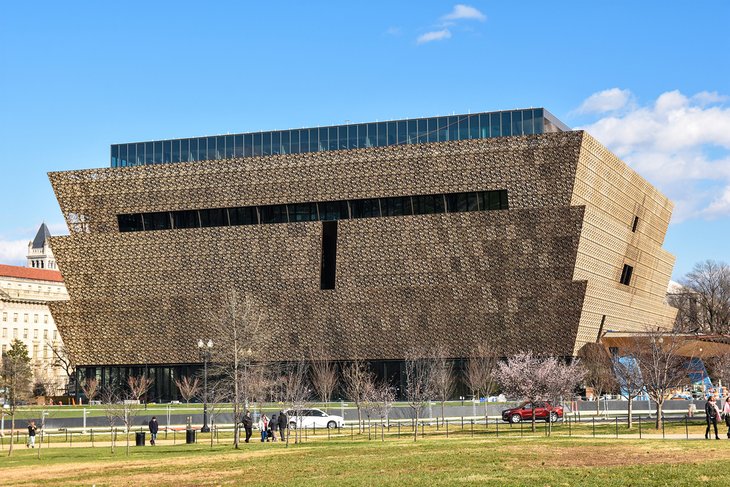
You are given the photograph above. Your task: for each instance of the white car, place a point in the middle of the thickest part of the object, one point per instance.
(314, 418)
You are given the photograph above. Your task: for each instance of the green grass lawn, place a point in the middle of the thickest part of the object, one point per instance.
(459, 460)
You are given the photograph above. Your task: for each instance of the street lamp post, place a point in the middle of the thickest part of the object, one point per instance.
(204, 349)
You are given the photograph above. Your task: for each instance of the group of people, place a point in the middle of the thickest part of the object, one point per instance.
(714, 415)
(267, 426)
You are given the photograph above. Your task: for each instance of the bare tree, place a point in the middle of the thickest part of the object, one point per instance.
(443, 377)
(720, 368)
(90, 388)
(685, 301)
(217, 396)
(662, 367)
(296, 390)
(46, 381)
(536, 379)
(480, 372)
(62, 358)
(240, 350)
(16, 380)
(324, 377)
(358, 381)
(189, 388)
(630, 382)
(599, 376)
(113, 411)
(384, 396)
(138, 386)
(707, 288)
(419, 383)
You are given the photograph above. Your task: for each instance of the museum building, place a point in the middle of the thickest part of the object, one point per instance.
(502, 228)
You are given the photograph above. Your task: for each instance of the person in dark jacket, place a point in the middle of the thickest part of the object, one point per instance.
(154, 428)
(31, 434)
(248, 425)
(273, 423)
(283, 421)
(711, 413)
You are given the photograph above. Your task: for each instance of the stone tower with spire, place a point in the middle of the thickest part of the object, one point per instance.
(40, 255)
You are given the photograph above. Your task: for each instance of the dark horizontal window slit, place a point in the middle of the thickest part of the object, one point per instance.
(315, 211)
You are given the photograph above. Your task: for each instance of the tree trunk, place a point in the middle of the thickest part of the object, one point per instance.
(415, 429)
(12, 428)
(630, 417)
(359, 419)
(443, 415)
(598, 405)
(236, 430)
(659, 419)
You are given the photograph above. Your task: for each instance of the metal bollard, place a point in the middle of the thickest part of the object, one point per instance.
(686, 427)
(616, 426)
(496, 424)
(447, 428)
(398, 430)
(594, 426)
(352, 432)
(639, 427)
(472, 428)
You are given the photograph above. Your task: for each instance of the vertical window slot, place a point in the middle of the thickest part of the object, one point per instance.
(329, 255)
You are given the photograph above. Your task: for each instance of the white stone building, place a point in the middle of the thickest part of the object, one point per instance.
(24, 296)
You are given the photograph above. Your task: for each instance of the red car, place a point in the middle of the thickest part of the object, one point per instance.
(543, 411)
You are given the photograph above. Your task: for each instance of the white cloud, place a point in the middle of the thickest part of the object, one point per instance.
(720, 206)
(13, 252)
(462, 11)
(680, 143)
(437, 35)
(459, 13)
(605, 101)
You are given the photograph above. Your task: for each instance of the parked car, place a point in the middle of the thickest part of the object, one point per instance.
(544, 411)
(314, 418)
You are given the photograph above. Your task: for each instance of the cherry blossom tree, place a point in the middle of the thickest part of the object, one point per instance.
(535, 379)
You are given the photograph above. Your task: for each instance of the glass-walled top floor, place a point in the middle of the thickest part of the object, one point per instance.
(338, 137)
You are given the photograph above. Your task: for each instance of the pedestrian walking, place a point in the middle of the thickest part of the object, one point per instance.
(31, 435)
(154, 428)
(273, 423)
(263, 424)
(712, 415)
(726, 414)
(248, 425)
(283, 422)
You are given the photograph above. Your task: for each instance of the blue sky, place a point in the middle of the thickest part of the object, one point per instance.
(649, 79)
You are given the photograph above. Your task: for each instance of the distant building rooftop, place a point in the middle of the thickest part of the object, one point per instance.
(338, 137)
(30, 273)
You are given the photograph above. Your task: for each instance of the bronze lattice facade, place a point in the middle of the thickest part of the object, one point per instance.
(540, 275)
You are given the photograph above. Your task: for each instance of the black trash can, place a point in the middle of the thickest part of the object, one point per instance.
(189, 436)
(139, 438)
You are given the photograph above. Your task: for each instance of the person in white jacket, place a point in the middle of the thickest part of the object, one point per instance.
(726, 414)
(263, 424)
